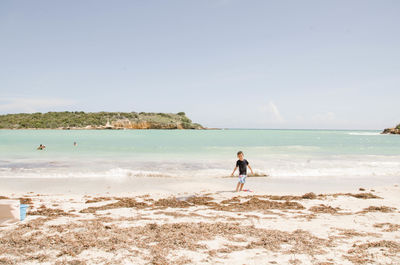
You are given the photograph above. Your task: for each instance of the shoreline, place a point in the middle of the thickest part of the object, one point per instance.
(173, 185)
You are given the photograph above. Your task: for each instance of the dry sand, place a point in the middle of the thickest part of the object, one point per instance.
(358, 227)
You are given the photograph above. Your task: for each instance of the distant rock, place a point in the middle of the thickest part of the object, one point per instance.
(395, 130)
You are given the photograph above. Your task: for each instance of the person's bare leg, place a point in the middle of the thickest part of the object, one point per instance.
(241, 186)
(237, 187)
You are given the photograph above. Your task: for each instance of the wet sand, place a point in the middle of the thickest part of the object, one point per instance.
(143, 185)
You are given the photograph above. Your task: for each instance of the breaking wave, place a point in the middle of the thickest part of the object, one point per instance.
(364, 133)
(278, 167)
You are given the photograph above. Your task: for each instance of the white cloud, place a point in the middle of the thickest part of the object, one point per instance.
(272, 112)
(32, 104)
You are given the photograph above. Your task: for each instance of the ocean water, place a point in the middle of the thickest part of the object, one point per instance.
(130, 154)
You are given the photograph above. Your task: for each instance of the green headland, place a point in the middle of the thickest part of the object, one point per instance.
(97, 120)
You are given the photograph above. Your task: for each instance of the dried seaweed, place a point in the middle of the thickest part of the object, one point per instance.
(256, 204)
(350, 233)
(202, 200)
(383, 209)
(358, 195)
(388, 227)
(51, 212)
(98, 199)
(121, 203)
(157, 242)
(302, 242)
(322, 208)
(71, 239)
(360, 253)
(231, 200)
(171, 203)
(25, 200)
(308, 196)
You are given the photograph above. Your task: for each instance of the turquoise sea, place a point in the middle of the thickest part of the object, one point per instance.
(122, 154)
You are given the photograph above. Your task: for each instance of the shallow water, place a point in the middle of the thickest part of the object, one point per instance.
(131, 154)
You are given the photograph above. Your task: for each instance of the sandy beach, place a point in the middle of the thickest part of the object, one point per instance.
(128, 127)
(359, 226)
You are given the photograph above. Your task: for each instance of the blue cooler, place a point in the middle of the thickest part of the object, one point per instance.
(22, 211)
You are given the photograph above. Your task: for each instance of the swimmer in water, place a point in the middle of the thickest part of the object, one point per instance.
(75, 144)
(41, 147)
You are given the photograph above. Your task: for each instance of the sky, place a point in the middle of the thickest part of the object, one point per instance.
(226, 63)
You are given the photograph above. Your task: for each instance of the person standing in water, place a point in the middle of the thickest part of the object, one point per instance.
(41, 147)
(242, 164)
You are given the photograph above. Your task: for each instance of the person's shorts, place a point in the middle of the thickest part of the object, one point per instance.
(242, 179)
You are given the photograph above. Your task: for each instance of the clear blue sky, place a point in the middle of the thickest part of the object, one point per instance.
(226, 63)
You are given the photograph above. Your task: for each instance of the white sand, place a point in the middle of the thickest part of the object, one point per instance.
(346, 229)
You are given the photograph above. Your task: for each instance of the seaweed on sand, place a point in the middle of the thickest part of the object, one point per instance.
(383, 209)
(121, 203)
(308, 196)
(322, 208)
(360, 254)
(388, 227)
(255, 203)
(50, 212)
(365, 195)
(234, 204)
(70, 240)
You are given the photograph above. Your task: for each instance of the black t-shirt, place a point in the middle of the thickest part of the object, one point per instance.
(242, 166)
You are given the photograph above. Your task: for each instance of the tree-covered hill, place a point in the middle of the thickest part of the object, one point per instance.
(97, 120)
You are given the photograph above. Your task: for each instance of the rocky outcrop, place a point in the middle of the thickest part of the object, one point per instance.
(139, 125)
(128, 124)
(391, 130)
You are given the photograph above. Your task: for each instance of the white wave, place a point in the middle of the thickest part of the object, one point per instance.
(114, 174)
(364, 133)
(267, 147)
(274, 166)
(338, 168)
(129, 173)
(300, 147)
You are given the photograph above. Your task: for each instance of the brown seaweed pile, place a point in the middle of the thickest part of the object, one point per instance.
(383, 209)
(98, 199)
(50, 212)
(322, 208)
(151, 236)
(364, 195)
(388, 227)
(72, 239)
(360, 254)
(121, 203)
(234, 204)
